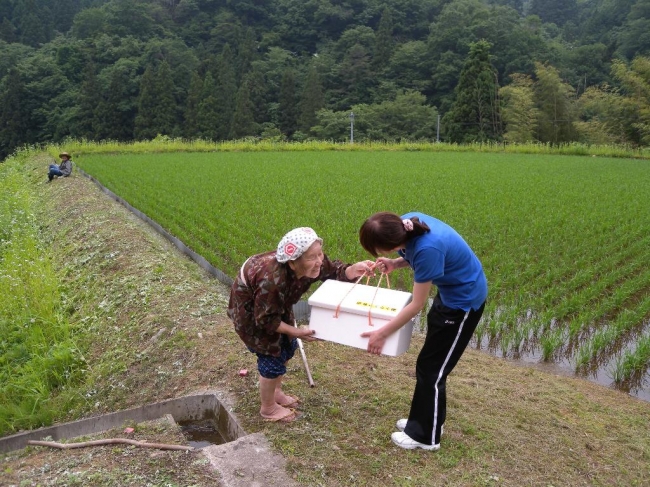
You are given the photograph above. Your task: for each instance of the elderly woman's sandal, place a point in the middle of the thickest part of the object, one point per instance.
(288, 401)
(287, 415)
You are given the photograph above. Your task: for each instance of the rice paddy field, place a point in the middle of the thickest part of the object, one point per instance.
(565, 240)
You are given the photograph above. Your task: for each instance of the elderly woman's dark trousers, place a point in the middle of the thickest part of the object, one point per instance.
(448, 334)
(54, 171)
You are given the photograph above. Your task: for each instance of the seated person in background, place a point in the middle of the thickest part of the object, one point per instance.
(62, 170)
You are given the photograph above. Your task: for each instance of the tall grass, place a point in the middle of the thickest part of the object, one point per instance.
(38, 354)
(164, 144)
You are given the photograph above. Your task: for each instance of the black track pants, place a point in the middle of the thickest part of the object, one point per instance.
(448, 333)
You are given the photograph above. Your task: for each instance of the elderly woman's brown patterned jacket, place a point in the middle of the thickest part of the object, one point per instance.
(263, 295)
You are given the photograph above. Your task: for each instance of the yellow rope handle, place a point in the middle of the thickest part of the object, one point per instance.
(375, 295)
(338, 307)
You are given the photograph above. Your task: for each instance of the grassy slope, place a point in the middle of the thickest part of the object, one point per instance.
(157, 329)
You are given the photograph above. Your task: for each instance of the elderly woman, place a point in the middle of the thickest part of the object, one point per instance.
(261, 307)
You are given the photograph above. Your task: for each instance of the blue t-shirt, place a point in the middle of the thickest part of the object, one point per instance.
(442, 256)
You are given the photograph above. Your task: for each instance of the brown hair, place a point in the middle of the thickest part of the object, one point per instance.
(384, 231)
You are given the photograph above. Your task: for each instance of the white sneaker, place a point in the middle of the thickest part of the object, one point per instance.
(403, 440)
(401, 425)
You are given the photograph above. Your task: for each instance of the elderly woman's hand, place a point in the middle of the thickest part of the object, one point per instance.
(363, 268)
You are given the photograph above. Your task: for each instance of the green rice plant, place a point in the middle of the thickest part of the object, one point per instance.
(606, 337)
(632, 361)
(551, 342)
(552, 254)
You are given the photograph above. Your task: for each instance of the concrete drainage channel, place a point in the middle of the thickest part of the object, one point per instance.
(241, 459)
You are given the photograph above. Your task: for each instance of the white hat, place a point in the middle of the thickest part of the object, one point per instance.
(295, 243)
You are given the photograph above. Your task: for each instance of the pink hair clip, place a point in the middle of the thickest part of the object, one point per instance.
(408, 225)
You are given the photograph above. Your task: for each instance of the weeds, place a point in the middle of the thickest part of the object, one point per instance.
(38, 353)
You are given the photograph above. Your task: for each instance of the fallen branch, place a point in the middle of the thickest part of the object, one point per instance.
(109, 441)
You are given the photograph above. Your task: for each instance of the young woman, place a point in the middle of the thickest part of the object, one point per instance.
(439, 257)
(261, 307)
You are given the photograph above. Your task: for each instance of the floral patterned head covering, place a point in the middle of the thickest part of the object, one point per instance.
(295, 243)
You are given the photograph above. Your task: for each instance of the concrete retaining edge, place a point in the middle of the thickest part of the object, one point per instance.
(300, 309)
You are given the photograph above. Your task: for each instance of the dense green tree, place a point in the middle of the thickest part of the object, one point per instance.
(287, 119)
(128, 18)
(63, 12)
(246, 53)
(635, 82)
(634, 37)
(356, 77)
(603, 112)
(34, 20)
(409, 68)
(89, 23)
(407, 117)
(258, 94)
(295, 26)
(333, 125)
(11, 54)
(14, 118)
(145, 120)
(517, 5)
(464, 22)
(208, 111)
(601, 21)
(243, 120)
(6, 9)
(474, 115)
(554, 99)
(71, 57)
(33, 31)
(412, 19)
(84, 123)
(191, 114)
(368, 53)
(586, 66)
(46, 100)
(166, 107)
(311, 100)
(226, 92)
(7, 31)
(518, 110)
(116, 112)
(384, 42)
(554, 11)
(227, 30)
(359, 35)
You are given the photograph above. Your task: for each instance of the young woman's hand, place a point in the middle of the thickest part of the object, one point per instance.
(376, 341)
(385, 265)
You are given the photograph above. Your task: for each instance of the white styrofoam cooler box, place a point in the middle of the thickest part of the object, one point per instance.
(355, 301)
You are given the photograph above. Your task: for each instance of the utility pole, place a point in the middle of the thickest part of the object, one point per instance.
(351, 127)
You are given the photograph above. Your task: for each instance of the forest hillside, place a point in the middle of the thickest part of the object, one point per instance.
(549, 71)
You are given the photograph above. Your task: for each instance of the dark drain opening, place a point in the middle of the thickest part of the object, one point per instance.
(200, 434)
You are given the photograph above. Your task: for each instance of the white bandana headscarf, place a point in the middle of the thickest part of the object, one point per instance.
(295, 243)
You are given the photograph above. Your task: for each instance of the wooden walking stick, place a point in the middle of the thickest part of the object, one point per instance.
(304, 359)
